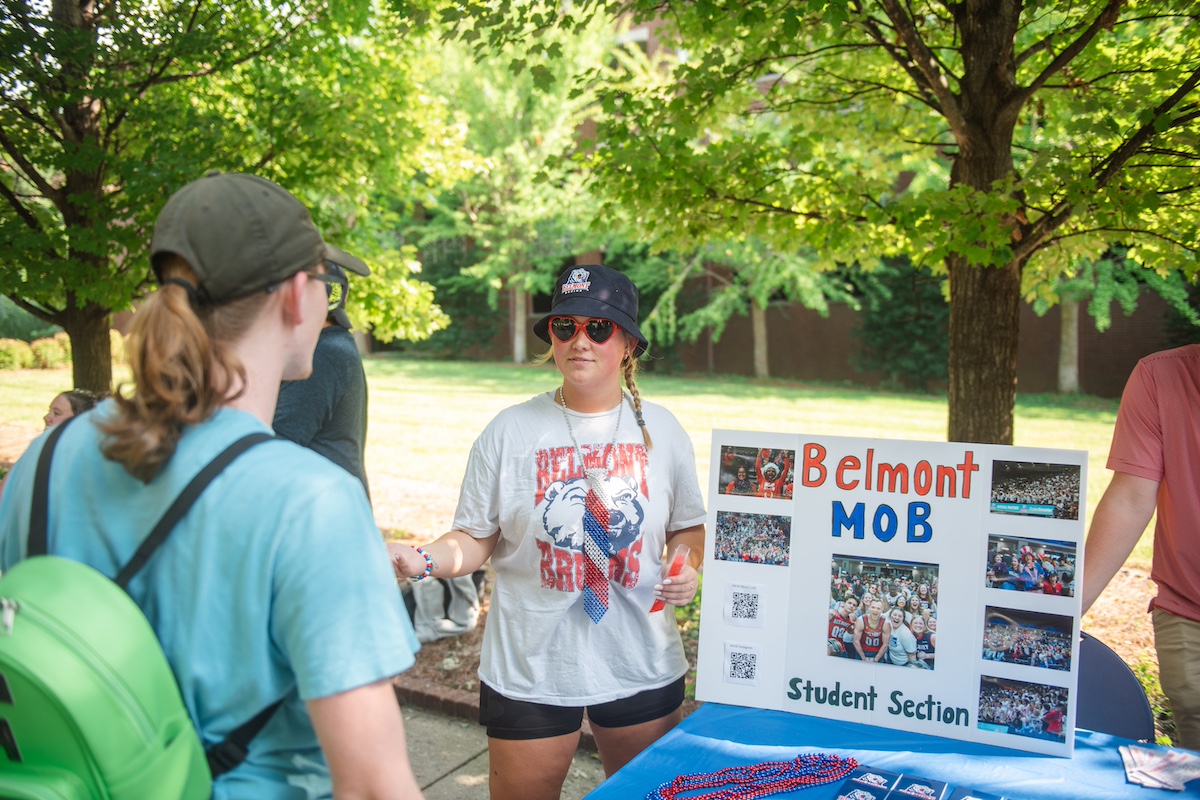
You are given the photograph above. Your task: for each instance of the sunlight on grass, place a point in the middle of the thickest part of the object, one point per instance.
(425, 414)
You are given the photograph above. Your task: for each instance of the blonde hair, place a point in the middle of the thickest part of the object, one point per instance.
(183, 370)
(629, 370)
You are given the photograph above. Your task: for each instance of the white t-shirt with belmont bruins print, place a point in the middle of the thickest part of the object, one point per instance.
(523, 480)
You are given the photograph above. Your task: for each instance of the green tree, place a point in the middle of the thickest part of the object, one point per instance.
(1100, 282)
(523, 213)
(106, 108)
(988, 140)
(747, 275)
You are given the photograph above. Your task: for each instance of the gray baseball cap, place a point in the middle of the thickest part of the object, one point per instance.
(240, 234)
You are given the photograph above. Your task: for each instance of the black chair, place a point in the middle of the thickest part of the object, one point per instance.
(1110, 698)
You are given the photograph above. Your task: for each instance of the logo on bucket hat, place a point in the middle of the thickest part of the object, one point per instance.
(594, 290)
(577, 281)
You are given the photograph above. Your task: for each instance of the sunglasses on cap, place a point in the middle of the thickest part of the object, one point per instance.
(598, 330)
(336, 286)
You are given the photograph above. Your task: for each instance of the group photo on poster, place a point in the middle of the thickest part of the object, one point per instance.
(753, 538)
(1020, 708)
(883, 611)
(1039, 490)
(1019, 564)
(1031, 638)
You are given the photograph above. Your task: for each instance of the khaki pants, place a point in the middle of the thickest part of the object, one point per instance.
(1177, 641)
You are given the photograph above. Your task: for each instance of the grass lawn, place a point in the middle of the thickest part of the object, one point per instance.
(425, 414)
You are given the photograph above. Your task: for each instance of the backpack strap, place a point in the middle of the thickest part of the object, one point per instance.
(228, 754)
(35, 544)
(184, 502)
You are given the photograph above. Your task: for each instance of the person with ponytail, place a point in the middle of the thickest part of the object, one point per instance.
(579, 496)
(274, 586)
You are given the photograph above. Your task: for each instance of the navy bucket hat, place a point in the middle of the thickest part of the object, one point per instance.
(594, 290)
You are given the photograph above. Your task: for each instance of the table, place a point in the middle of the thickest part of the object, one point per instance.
(716, 736)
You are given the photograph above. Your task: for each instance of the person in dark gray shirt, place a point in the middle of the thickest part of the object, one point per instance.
(327, 412)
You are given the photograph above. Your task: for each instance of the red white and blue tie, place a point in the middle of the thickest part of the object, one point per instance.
(596, 545)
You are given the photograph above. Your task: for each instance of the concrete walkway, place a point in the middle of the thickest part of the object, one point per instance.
(449, 757)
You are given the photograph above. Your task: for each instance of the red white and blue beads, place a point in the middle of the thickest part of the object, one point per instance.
(753, 781)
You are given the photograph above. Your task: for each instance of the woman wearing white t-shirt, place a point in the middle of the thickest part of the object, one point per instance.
(577, 509)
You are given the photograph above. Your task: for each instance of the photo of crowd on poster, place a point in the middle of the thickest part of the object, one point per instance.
(1022, 709)
(756, 472)
(883, 611)
(753, 538)
(1030, 489)
(1039, 566)
(1031, 638)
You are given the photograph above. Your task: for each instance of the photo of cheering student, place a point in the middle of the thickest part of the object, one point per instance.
(1030, 489)
(774, 471)
(1016, 707)
(756, 472)
(753, 538)
(737, 474)
(883, 611)
(1038, 566)
(1030, 638)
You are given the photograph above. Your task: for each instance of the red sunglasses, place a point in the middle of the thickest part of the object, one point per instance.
(598, 330)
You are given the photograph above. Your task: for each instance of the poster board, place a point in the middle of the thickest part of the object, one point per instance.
(842, 516)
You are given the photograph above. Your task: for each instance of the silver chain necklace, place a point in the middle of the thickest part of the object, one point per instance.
(596, 475)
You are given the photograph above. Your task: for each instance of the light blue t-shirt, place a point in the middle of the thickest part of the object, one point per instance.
(275, 584)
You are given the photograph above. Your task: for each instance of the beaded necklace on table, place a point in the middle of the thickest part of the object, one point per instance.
(758, 780)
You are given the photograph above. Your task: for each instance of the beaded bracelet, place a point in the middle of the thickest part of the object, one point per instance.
(428, 566)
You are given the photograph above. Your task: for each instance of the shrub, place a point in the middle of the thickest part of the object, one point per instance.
(65, 341)
(15, 354)
(49, 353)
(905, 324)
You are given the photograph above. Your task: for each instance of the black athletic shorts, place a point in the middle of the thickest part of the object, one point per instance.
(506, 718)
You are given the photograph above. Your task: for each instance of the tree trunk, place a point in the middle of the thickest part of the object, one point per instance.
(520, 316)
(1068, 347)
(91, 350)
(984, 326)
(758, 321)
(82, 196)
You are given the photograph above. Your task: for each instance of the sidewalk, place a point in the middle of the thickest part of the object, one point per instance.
(448, 747)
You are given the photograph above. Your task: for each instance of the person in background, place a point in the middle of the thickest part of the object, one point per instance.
(870, 630)
(1155, 461)
(275, 584)
(902, 645)
(926, 641)
(577, 507)
(327, 411)
(742, 484)
(67, 404)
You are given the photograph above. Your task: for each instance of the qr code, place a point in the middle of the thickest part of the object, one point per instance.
(742, 666)
(745, 605)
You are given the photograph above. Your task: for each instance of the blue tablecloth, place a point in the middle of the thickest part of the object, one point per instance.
(717, 736)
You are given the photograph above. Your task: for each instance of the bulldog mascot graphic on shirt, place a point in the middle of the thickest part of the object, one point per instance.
(563, 490)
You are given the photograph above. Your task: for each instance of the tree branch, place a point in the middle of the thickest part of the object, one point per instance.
(1104, 172)
(1104, 20)
(30, 172)
(921, 64)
